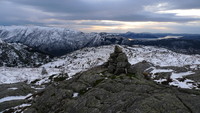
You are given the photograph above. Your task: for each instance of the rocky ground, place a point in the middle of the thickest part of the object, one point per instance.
(98, 91)
(114, 87)
(103, 89)
(20, 90)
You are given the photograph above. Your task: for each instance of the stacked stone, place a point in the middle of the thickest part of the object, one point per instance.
(118, 62)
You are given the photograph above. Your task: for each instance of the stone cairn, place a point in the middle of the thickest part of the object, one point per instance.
(118, 62)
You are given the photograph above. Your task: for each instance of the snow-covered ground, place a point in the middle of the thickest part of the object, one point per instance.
(82, 59)
(86, 58)
(13, 75)
(10, 98)
(176, 78)
(160, 56)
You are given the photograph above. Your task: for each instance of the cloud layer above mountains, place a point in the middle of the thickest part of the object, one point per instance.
(105, 15)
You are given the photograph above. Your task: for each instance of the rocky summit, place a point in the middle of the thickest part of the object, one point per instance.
(112, 88)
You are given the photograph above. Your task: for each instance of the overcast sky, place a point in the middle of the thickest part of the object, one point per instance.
(158, 16)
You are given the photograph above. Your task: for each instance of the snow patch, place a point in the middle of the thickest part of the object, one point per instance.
(154, 71)
(75, 95)
(11, 98)
(13, 88)
(188, 84)
(13, 75)
(160, 80)
(175, 78)
(181, 75)
(18, 108)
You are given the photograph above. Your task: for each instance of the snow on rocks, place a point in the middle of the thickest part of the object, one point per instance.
(14, 75)
(195, 67)
(188, 84)
(181, 75)
(175, 79)
(183, 83)
(10, 98)
(155, 71)
(75, 95)
(17, 109)
(13, 88)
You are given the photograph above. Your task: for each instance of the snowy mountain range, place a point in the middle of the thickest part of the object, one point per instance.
(56, 41)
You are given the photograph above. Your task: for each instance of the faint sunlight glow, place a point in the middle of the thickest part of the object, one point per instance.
(122, 25)
(126, 26)
(186, 12)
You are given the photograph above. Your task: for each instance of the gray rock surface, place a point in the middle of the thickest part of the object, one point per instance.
(100, 91)
(17, 89)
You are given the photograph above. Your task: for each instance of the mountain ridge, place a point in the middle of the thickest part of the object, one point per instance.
(56, 41)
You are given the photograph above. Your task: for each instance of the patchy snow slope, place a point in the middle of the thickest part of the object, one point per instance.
(86, 58)
(89, 57)
(10, 98)
(82, 59)
(13, 75)
(177, 79)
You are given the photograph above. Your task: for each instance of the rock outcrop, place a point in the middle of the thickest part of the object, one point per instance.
(118, 62)
(99, 90)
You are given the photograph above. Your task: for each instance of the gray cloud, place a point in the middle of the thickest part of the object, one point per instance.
(189, 4)
(40, 12)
